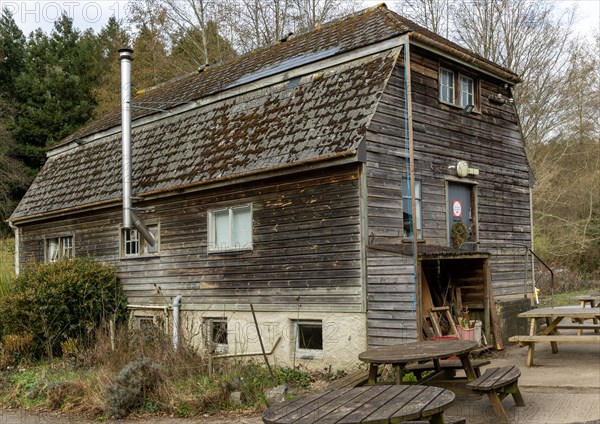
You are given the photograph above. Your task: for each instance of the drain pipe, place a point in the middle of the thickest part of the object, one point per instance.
(17, 232)
(176, 305)
(130, 219)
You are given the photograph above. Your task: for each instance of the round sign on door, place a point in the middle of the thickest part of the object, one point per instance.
(456, 208)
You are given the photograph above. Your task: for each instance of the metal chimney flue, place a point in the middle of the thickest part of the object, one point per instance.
(130, 219)
(125, 59)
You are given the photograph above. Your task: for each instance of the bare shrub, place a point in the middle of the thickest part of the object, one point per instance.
(65, 395)
(14, 348)
(136, 381)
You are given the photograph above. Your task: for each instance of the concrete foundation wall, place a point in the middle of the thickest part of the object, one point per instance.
(344, 337)
(508, 309)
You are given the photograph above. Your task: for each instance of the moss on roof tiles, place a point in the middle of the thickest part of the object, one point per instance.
(358, 30)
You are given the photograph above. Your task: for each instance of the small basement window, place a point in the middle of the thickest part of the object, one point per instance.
(133, 244)
(149, 323)
(230, 229)
(59, 247)
(309, 338)
(217, 334)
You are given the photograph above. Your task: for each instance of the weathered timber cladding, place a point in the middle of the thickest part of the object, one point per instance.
(306, 247)
(488, 140)
(391, 315)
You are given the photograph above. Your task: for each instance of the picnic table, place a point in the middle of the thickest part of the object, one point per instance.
(594, 301)
(367, 404)
(553, 317)
(430, 350)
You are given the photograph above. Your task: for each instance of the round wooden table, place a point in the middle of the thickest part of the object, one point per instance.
(430, 350)
(367, 404)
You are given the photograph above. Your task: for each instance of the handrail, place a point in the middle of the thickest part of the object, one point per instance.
(536, 257)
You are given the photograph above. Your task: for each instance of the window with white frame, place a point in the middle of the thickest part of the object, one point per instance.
(309, 338)
(446, 85)
(467, 91)
(458, 89)
(230, 229)
(59, 247)
(408, 218)
(133, 243)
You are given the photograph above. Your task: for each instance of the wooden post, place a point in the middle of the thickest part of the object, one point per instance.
(497, 332)
(111, 332)
(262, 347)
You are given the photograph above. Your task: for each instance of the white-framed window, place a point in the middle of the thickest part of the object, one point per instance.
(217, 334)
(447, 86)
(230, 229)
(458, 89)
(309, 338)
(467, 91)
(407, 221)
(133, 243)
(59, 247)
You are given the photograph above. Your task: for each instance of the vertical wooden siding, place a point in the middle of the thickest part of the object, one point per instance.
(305, 235)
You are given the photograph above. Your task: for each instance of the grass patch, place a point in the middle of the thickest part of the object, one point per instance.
(566, 298)
(146, 376)
(7, 265)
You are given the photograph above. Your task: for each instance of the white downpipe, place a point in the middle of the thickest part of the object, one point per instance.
(17, 232)
(176, 305)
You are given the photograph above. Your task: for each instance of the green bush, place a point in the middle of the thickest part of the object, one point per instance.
(61, 300)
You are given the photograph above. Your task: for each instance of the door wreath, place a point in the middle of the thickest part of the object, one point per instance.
(460, 234)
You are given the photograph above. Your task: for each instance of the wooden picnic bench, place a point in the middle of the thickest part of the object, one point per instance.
(366, 405)
(497, 383)
(553, 317)
(594, 300)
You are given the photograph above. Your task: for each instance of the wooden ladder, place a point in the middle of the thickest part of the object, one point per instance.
(441, 319)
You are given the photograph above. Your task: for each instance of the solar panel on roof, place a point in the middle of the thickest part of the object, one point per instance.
(285, 65)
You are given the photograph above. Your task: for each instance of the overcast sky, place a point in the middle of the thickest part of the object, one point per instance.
(31, 15)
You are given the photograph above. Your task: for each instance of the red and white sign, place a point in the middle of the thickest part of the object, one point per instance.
(456, 208)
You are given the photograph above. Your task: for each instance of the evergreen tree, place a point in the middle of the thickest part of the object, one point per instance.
(110, 39)
(12, 54)
(54, 89)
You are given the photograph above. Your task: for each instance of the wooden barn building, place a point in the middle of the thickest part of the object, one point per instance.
(286, 178)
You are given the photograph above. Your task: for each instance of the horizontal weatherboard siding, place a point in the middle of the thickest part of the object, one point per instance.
(306, 247)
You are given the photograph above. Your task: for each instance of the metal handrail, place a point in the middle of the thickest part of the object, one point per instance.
(528, 249)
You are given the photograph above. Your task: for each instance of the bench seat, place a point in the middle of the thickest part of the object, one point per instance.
(594, 338)
(497, 383)
(578, 327)
(448, 419)
(354, 379)
(449, 366)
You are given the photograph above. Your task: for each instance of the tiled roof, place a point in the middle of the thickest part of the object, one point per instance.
(359, 30)
(322, 115)
(275, 126)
